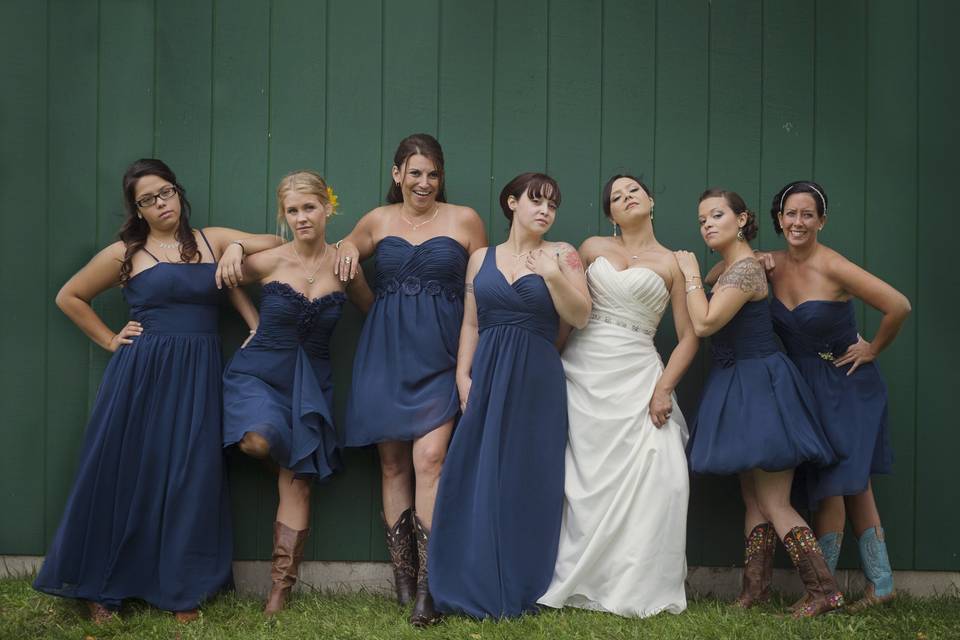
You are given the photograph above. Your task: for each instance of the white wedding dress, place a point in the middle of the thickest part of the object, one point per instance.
(623, 538)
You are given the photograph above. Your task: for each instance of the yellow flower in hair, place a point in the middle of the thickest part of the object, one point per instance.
(332, 199)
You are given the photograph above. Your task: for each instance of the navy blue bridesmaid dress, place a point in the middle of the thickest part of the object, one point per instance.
(496, 522)
(404, 371)
(148, 516)
(281, 384)
(852, 409)
(756, 411)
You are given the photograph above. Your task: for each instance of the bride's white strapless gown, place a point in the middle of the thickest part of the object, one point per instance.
(623, 539)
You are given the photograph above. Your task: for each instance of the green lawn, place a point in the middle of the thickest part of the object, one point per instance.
(25, 614)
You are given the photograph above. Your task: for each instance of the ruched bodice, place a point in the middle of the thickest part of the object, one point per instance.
(525, 304)
(634, 298)
(406, 359)
(175, 298)
(816, 328)
(289, 319)
(749, 334)
(434, 267)
(281, 384)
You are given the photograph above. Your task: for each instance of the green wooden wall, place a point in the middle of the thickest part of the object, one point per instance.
(860, 95)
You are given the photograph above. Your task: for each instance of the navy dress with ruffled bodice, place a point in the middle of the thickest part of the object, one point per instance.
(281, 384)
(852, 409)
(148, 516)
(404, 371)
(756, 411)
(496, 523)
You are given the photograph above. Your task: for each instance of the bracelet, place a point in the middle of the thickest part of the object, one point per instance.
(692, 278)
(252, 331)
(694, 287)
(336, 245)
(243, 249)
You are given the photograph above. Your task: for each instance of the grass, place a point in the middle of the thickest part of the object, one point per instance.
(26, 614)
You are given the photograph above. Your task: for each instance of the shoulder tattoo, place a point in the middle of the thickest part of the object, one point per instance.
(746, 275)
(571, 258)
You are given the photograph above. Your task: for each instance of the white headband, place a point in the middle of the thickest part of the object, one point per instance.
(809, 186)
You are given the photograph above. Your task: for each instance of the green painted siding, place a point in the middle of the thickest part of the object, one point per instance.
(748, 94)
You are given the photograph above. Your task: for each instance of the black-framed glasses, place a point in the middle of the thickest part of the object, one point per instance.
(151, 199)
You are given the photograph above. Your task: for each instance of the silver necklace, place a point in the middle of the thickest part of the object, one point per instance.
(167, 245)
(311, 276)
(417, 225)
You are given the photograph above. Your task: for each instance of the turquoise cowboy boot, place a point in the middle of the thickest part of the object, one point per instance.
(876, 567)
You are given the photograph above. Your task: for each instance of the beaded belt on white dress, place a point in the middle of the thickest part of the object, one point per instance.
(619, 322)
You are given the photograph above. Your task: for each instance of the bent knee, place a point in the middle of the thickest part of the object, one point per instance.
(254, 445)
(429, 461)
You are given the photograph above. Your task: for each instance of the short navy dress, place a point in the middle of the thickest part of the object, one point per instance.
(496, 522)
(756, 411)
(148, 516)
(404, 372)
(852, 409)
(281, 384)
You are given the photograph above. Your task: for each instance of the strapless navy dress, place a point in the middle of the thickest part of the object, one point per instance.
(148, 516)
(852, 409)
(281, 384)
(404, 371)
(496, 522)
(756, 411)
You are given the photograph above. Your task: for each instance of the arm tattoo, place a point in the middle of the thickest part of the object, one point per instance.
(468, 287)
(572, 259)
(746, 275)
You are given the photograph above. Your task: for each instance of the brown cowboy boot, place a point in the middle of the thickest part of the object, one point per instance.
(830, 544)
(99, 614)
(402, 545)
(823, 595)
(287, 554)
(423, 613)
(757, 566)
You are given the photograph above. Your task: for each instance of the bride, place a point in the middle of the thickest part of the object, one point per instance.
(623, 538)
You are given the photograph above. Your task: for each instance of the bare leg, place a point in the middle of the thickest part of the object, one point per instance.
(773, 496)
(294, 508)
(753, 515)
(396, 477)
(863, 511)
(254, 445)
(830, 516)
(429, 453)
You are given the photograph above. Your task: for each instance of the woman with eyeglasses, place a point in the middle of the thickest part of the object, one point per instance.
(147, 517)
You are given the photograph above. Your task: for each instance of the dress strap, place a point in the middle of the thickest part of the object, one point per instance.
(147, 251)
(212, 252)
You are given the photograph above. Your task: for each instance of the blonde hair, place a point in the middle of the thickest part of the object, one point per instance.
(309, 182)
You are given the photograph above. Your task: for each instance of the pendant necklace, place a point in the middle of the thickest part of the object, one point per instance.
(311, 275)
(417, 225)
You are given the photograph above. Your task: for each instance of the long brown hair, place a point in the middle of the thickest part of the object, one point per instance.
(134, 230)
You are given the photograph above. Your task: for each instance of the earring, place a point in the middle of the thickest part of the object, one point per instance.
(398, 184)
(615, 229)
(820, 228)
(651, 214)
(139, 215)
(740, 234)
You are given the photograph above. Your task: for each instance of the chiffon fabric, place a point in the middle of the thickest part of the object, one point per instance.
(148, 516)
(499, 504)
(756, 411)
(622, 543)
(280, 385)
(852, 409)
(404, 371)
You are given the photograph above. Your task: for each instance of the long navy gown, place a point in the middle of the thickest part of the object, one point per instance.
(852, 409)
(496, 522)
(148, 516)
(404, 372)
(281, 384)
(756, 411)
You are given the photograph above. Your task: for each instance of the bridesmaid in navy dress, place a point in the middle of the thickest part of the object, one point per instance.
(814, 287)
(500, 501)
(148, 515)
(278, 389)
(757, 417)
(404, 392)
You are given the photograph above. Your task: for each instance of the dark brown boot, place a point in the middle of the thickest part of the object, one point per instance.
(287, 554)
(823, 595)
(402, 545)
(423, 613)
(757, 566)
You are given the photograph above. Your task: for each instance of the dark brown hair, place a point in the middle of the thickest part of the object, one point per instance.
(735, 202)
(800, 186)
(134, 230)
(608, 189)
(425, 145)
(535, 185)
